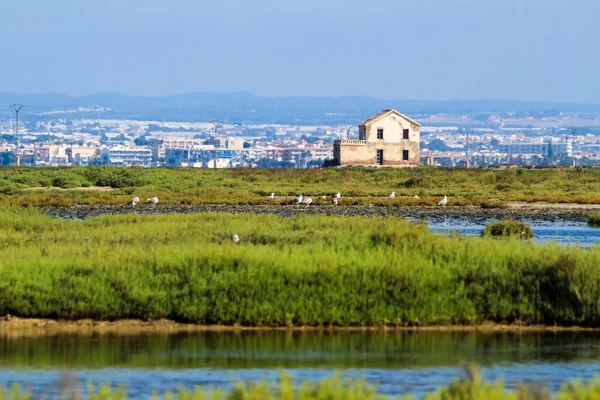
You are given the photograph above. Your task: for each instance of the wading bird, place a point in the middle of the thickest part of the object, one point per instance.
(337, 195)
(134, 201)
(443, 201)
(392, 195)
(235, 238)
(297, 200)
(271, 196)
(307, 201)
(416, 196)
(153, 200)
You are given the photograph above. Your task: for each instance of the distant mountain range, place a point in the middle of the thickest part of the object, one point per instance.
(244, 107)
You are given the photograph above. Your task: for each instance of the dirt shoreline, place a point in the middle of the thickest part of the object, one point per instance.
(36, 327)
(515, 210)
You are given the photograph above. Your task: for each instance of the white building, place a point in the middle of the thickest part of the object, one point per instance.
(129, 156)
(537, 147)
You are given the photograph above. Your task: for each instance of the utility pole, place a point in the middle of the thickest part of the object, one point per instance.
(217, 125)
(347, 128)
(573, 131)
(467, 151)
(17, 107)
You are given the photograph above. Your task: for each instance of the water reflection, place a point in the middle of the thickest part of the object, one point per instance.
(399, 362)
(298, 349)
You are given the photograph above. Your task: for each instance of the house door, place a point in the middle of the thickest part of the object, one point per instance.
(380, 157)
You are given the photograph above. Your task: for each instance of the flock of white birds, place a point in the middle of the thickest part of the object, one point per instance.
(336, 198)
(150, 200)
(298, 200)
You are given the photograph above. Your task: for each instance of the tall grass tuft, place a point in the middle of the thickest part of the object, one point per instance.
(508, 228)
(594, 219)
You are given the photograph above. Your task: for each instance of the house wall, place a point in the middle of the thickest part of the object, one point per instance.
(354, 154)
(366, 155)
(392, 130)
(362, 132)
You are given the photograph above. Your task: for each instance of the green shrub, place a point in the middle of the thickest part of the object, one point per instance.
(508, 228)
(594, 218)
(66, 182)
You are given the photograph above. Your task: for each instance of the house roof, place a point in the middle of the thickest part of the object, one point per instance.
(385, 113)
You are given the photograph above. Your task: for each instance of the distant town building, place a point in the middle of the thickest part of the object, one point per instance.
(81, 155)
(129, 156)
(537, 147)
(50, 154)
(386, 139)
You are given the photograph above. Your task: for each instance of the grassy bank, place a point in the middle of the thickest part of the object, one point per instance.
(285, 272)
(472, 388)
(23, 185)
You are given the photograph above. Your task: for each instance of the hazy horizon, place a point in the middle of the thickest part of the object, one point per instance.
(283, 96)
(428, 50)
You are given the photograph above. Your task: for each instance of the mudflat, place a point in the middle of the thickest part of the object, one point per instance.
(33, 327)
(517, 210)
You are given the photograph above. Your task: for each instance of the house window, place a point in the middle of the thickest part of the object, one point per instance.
(405, 155)
(405, 134)
(379, 133)
(380, 157)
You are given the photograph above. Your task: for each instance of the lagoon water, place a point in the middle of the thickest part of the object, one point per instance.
(562, 232)
(397, 362)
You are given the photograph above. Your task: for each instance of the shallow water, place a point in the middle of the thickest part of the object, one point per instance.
(562, 232)
(397, 362)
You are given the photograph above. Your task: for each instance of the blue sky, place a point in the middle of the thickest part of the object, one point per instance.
(419, 49)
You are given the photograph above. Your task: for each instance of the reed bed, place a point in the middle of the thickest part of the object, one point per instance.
(336, 388)
(315, 271)
(31, 186)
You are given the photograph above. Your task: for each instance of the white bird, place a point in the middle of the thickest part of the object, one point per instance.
(334, 201)
(297, 200)
(153, 200)
(443, 201)
(338, 195)
(307, 201)
(416, 196)
(323, 198)
(235, 238)
(271, 196)
(392, 195)
(134, 201)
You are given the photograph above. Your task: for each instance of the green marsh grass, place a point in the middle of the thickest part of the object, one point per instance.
(485, 187)
(314, 271)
